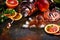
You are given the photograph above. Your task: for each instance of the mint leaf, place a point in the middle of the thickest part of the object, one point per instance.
(7, 11)
(11, 11)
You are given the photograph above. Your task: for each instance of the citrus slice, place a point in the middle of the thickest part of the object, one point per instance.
(51, 28)
(12, 3)
(58, 33)
(17, 17)
(10, 16)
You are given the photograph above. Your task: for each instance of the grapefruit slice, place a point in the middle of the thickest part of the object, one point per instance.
(51, 28)
(12, 3)
(17, 17)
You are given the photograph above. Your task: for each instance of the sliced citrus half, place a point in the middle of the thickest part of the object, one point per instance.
(17, 17)
(12, 3)
(51, 28)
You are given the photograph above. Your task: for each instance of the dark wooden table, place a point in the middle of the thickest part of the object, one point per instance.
(18, 33)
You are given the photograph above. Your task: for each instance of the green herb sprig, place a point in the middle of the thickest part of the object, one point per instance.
(7, 11)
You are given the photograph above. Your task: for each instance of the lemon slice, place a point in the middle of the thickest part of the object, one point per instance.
(56, 28)
(17, 17)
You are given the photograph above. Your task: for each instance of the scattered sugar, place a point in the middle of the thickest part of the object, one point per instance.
(42, 26)
(30, 19)
(27, 22)
(33, 26)
(25, 26)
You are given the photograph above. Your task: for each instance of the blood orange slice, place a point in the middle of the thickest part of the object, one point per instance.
(12, 3)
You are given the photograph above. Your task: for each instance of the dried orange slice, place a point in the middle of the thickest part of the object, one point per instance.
(12, 3)
(17, 17)
(51, 28)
